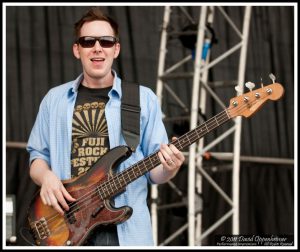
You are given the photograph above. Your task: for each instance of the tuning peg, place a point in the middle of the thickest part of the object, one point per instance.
(250, 85)
(238, 89)
(272, 77)
(261, 82)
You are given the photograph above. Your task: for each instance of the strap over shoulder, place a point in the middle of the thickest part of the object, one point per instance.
(130, 114)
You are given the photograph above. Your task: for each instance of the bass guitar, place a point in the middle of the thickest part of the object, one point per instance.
(94, 190)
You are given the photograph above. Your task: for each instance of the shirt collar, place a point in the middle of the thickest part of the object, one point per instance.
(116, 85)
(76, 83)
(116, 88)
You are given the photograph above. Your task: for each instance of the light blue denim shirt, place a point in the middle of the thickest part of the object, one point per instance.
(51, 136)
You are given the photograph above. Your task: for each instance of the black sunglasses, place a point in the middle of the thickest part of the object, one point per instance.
(105, 41)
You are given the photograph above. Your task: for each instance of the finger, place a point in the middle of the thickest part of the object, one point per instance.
(176, 151)
(174, 139)
(171, 163)
(162, 160)
(55, 205)
(166, 148)
(166, 154)
(171, 158)
(67, 195)
(178, 155)
(58, 209)
(45, 198)
(60, 198)
(168, 163)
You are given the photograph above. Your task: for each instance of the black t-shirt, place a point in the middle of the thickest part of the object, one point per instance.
(90, 141)
(90, 138)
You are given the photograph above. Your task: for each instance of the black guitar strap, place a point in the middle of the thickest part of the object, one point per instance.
(130, 114)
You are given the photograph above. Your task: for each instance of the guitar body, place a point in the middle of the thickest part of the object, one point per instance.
(89, 210)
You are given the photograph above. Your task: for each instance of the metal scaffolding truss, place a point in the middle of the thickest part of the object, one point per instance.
(200, 89)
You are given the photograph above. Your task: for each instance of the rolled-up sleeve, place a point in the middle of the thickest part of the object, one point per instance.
(154, 132)
(38, 143)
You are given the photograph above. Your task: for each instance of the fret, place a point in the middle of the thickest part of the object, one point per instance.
(112, 189)
(225, 116)
(136, 170)
(114, 183)
(133, 173)
(197, 132)
(145, 166)
(194, 136)
(157, 159)
(99, 192)
(210, 124)
(206, 127)
(127, 176)
(219, 117)
(228, 116)
(131, 176)
(122, 179)
(216, 120)
(102, 191)
(178, 145)
(150, 159)
(187, 139)
(142, 169)
(119, 181)
(182, 141)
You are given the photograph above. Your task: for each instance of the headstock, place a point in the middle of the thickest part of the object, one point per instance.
(247, 104)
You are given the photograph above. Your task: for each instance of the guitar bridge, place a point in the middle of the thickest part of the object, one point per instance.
(40, 229)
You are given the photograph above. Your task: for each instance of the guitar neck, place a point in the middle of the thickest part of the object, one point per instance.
(119, 181)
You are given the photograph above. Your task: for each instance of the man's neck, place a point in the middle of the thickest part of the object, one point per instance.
(98, 83)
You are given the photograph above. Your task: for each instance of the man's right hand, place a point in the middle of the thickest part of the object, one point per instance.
(53, 193)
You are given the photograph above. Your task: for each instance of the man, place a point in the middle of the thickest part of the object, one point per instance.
(79, 121)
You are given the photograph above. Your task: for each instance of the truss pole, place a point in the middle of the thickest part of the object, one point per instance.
(193, 124)
(202, 106)
(238, 123)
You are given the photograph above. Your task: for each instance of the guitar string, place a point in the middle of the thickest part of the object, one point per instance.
(127, 171)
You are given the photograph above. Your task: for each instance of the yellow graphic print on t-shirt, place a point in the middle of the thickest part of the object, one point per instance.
(89, 136)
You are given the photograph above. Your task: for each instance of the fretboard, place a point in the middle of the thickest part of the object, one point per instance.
(119, 181)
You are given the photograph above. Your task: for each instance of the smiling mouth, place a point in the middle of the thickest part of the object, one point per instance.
(97, 59)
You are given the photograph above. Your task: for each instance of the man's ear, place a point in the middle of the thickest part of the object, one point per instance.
(76, 51)
(117, 50)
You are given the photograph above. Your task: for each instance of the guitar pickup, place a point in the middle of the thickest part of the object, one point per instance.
(97, 210)
(70, 215)
(71, 218)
